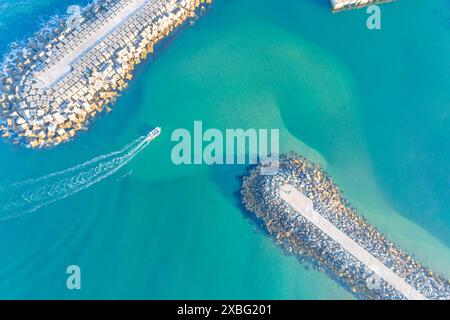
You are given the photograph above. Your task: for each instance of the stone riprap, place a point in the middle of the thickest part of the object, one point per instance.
(301, 236)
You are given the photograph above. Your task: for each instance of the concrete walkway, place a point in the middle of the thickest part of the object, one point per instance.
(349, 4)
(304, 206)
(48, 77)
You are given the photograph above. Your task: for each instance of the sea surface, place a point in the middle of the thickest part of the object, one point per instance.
(371, 106)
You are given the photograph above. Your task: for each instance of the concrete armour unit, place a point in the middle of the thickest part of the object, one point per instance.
(66, 74)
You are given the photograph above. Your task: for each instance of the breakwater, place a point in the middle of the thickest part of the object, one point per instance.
(339, 5)
(354, 253)
(56, 82)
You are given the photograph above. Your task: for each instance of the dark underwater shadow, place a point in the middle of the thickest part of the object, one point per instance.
(228, 179)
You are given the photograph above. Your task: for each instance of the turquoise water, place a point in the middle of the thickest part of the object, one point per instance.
(371, 106)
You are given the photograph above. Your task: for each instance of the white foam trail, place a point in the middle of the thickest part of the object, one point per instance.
(80, 166)
(32, 194)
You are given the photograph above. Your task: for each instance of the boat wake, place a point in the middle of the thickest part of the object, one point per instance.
(30, 195)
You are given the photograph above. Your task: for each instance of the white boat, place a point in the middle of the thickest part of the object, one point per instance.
(154, 133)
